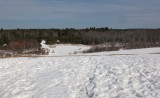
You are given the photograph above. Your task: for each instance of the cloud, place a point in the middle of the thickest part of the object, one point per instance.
(91, 12)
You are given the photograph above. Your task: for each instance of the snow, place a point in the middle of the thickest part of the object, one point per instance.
(44, 46)
(64, 49)
(154, 50)
(4, 45)
(71, 49)
(102, 76)
(67, 49)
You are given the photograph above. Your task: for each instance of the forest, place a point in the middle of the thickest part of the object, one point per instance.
(19, 40)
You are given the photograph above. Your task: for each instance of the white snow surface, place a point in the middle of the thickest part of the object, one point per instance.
(64, 49)
(153, 50)
(115, 76)
(71, 49)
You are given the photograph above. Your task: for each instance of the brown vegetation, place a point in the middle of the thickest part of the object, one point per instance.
(21, 40)
(21, 45)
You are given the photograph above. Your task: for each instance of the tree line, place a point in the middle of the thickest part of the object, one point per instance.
(30, 38)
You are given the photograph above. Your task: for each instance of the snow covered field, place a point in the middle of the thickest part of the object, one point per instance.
(70, 49)
(102, 76)
(63, 49)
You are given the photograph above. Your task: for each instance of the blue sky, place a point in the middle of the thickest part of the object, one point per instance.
(79, 13)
